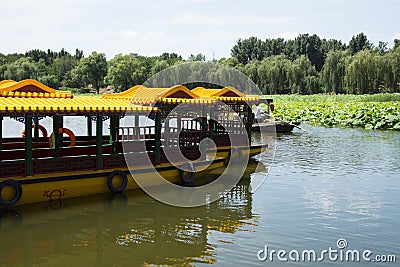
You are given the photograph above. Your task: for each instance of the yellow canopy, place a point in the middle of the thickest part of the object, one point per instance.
(125, 95)
(143, 95)
(227, 94)
(80, 104)
(33, 96)
(147, 96)
(30, 88)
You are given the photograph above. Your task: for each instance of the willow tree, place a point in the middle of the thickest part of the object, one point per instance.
(298, 71)
(334, 70)
(273, 74)
(391, 71)
(362, 73)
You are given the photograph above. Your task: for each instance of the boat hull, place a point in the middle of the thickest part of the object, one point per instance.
(225, 151)
(278, 127)
(56, 186)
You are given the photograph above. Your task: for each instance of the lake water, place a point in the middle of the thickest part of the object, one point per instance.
(324, 185)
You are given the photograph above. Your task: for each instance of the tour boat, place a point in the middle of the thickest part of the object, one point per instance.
(266, 124)
(38, 166)
(275, 126)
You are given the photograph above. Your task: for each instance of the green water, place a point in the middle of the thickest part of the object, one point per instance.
(323, 185)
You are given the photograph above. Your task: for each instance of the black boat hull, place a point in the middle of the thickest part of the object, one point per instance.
(277, 126)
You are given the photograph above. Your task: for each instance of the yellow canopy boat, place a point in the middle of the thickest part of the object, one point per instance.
(36, 168)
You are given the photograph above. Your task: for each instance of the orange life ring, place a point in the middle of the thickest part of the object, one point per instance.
(66, 131)
(41, 128)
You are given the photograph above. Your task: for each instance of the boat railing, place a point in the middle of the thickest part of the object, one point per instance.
(190, 124)
(135, 133)
(13, 143)
(184, 137)
(12, 168)
(229, 126)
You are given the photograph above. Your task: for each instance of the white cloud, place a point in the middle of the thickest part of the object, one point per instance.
(288, 35)
(195, 1)
(396, 36)
(227, 20)
(141, 36)
(128, 34)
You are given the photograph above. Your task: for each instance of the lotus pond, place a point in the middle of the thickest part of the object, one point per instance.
(381, 111)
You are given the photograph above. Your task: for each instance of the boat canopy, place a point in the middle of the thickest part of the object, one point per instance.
(226, 94)
(33, 96)
(30, 89)
(125, 95)
(142, 95)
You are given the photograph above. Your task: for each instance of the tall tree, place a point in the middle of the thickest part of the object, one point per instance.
(333, 72)
(273, 74)
(332, 45)
(273, 47)
(362, 73)
(198, 57)
(92, 70)
(171, 58)
(396, 43)
(298, 71)
(21, 69)
(310, 45)
(125, 71)
(359, 42)
(382, 47)
(248, 49)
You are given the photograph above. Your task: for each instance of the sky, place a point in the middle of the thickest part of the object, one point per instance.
(210, 27)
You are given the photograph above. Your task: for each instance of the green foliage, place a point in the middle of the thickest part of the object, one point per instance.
(381, 111)
(306, 65)
(273, 74)
(21, 69)
(333, 72)
(124, 71)
(248, 49)
(358, 43)
(198, 57)
(91, 70)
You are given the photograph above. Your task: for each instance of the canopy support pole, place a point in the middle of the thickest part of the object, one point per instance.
(99, 141)
(1, 132)
(158, 137)
(249, 122)
(57, 137)
(114, 124)
(28, 145)
(36, 128)
(89, 126)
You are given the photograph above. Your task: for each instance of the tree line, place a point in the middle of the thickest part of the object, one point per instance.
(305, 65)
(309, 64)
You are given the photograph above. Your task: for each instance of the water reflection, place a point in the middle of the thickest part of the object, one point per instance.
(323, 185)
(119, 229)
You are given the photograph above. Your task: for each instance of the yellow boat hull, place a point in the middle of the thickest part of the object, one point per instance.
(225, 151)
(55, 186)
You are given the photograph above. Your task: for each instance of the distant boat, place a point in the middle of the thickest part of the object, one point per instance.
(275, 126)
